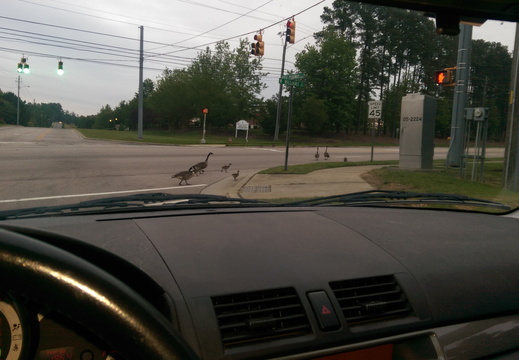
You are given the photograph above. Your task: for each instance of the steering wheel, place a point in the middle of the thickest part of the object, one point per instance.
(89, 295)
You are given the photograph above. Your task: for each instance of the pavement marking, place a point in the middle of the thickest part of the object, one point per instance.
(274, 150)
(16, 142)
(99, 194)
(43, 134)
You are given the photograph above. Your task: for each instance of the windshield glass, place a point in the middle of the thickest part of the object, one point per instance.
(273, 101)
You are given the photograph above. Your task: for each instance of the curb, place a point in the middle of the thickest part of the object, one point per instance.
(228, 186)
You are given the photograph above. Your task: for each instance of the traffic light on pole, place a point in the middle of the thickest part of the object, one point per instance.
(444, 77)
(23, 66)
(258, 47)
(60, 68)
(291, 31)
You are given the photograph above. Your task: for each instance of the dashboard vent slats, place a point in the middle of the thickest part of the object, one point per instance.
(371, 299)
(256, 316)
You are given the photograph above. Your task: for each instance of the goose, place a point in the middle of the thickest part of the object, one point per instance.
(326, 155)
(236, 174)
(199, 167)
(225, 167)
(184, 175)
(317, 154)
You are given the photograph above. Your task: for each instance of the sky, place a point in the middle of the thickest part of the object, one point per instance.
(98, 42)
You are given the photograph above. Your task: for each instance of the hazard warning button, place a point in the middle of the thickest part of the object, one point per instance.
(324, 310)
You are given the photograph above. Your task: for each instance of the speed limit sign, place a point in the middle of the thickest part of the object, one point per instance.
(375, 109)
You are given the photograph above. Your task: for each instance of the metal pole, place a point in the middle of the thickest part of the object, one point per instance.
(475, 160)
(288, 126)
(372, 138)
(278, 113)
(511, 111)
(141, 96)
(18, 103)
(203, 131)
(460, 97)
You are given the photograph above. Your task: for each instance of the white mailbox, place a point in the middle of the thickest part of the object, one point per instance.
(417, 131)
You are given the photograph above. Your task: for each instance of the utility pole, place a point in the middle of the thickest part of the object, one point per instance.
(454, 156)
(141, 97)
(18, 103)
(278, 113)
(511, 166)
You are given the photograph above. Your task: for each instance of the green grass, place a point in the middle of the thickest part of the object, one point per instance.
(450, 181)
(446, 181)
(308, 168)
(437, 180)
(227, 137)
(154, 137)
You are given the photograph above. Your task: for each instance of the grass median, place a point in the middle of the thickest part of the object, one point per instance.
(228, 137)
(436, 180)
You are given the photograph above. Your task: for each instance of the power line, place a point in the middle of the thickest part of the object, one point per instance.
(222, 25)
(248, 33)
(127, 54)
(149, 55)
(140, 21)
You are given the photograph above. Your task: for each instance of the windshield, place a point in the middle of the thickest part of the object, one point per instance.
(282, 102)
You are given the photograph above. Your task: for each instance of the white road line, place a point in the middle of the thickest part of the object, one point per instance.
(99, 194)
(263, 149)
(16, 142)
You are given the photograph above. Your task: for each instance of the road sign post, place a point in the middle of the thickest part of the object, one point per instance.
(375, 113)
(290, 80)
(204, 111)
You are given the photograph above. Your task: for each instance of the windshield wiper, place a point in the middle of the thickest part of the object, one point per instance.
(133, 202)
(385, 198)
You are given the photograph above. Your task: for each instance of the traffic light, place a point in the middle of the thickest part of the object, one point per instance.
(258, 47)
(60, 68)
(444, 77)
(291, 31)
(23, 66)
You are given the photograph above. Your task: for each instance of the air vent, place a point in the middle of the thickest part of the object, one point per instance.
(371, 299)
(256, 316)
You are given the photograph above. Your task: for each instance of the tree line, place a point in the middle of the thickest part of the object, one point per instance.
(363, 52)
(31, 114)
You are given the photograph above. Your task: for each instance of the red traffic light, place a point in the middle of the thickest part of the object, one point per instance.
(291, 31)
(444, 77)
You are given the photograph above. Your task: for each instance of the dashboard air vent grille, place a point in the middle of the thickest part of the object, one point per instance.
(255, 316)
(370, 299)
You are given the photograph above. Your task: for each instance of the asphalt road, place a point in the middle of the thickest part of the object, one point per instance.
(50, 166)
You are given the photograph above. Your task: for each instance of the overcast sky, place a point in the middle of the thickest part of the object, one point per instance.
(98, 42)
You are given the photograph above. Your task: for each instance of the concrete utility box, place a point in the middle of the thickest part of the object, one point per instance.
(417, 131)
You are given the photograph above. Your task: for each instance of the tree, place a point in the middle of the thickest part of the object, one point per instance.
(397, 50)
(102, 119)
(313, 115)
(357, 22)
(222, 80)
(330, 74)
(8, 107)
(268, 113)
(172, 99)
(490, 77)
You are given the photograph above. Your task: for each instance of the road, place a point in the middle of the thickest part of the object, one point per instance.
(50, 166)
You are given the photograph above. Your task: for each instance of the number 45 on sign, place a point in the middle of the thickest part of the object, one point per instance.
(375, 109)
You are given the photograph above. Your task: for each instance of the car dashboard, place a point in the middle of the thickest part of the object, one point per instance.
(280, 283)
